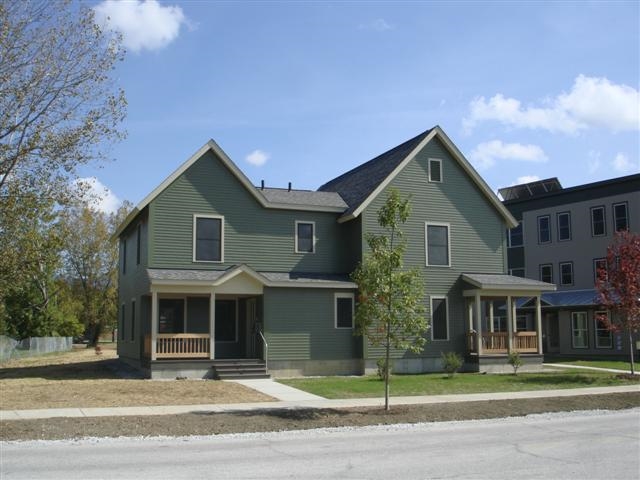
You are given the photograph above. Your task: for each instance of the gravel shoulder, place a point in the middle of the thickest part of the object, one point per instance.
(300, 419)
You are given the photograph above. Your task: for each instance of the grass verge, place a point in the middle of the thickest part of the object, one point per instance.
(614, 364)
(439, 384)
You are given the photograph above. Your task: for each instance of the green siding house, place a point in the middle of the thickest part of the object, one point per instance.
(220, 277)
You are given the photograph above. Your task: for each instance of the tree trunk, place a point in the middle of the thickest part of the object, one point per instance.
(633, 370)
(387, 369)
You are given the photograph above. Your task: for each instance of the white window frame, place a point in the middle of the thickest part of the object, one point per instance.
(426, 243)
(196, 216)
(548, 217)
(540, 267)
(313, 234)
(596, 329)
(558, 216)
(446, 304)
(586, 330)
(336, 296)
(509, 242)
(560, 273)
(615, 217)
(441, 173)
(604, 221)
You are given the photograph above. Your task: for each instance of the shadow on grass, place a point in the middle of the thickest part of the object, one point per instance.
(94, 370)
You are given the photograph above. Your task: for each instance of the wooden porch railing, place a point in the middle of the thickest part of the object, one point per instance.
(179, 345)
(497, 342)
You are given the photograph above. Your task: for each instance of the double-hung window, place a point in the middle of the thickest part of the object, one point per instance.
(514, 236)
(546, 273)
(579, 330)
(544, 229)
(208, 238)
(598, 222)
(620, 216)
(604, 339)
(305, 237)
(435, 170)
(564, 226)
(566, 273)
(599, 265)
(439, 318)
(437, 244)
(343, 313)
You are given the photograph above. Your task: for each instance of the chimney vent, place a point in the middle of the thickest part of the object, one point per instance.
(289, 186)
(261, 184)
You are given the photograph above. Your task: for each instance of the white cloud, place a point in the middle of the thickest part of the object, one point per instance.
(622, 164)
(592, 103)
(526, 179)
(100, 197)
(486, 154)
(144, 24)
(378, 25)
(257, 158)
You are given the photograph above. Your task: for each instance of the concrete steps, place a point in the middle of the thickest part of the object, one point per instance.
(235, 369)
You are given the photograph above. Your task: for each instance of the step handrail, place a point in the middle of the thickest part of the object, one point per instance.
(266, 351)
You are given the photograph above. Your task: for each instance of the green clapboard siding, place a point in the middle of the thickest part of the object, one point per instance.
(476, 232)
(259, 237)
(299, 325)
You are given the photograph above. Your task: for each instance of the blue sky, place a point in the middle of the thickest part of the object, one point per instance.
(303, 91)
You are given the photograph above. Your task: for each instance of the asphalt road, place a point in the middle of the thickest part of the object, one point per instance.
(586, 445)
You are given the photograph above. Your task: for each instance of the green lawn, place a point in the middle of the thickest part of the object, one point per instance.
(439, 384)
(616, 364)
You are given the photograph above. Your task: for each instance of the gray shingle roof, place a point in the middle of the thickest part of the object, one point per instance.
(501, 281)
(305, 277)
(184, 275)
(571, 298)
(357, 184)
(304, 197)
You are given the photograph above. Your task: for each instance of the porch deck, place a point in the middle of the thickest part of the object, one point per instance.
(498, 342)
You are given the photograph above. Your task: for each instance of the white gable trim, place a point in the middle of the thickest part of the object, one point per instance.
(242, 178)
(462, 161)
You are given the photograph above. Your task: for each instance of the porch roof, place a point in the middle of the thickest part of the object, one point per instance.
(506, 283)
(269, 279)
(571, 298)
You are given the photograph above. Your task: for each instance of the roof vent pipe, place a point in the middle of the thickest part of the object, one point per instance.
(289, 186)
(261, 184)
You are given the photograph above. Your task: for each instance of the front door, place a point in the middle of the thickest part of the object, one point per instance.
(227, 343)
(551, 332)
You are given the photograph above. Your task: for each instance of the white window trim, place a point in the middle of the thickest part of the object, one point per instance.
(540, 271)
(446, 302)
(573, 330)
(548, 217)
(604, 220)
(313, 230)
(509, 243)
(561, 275)
(441, 173)
(426, 243)
(558, 215)
(595, 330)
(336, 296)
(195, 219)
(615, 217)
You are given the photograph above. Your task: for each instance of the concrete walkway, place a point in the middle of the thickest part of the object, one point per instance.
(317, 402)
(582, 367)
(277, 390)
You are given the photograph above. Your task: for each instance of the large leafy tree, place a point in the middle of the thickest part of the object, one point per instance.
(618, 286)
(58, 109)
(91, 265)
(390, 310)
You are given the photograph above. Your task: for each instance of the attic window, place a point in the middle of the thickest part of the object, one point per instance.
(435, 170)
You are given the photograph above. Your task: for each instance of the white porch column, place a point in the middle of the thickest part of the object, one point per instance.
(471, 338)
(479, 324)
(212, 324)
(491, 316)
(154, 324)
(539, 323)
(514, 315)
(510, 315)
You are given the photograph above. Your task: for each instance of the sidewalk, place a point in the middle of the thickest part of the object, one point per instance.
(297, 399)
(581, 367)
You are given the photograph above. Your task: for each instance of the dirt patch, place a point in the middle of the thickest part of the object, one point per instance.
(289, 419)
(81, 378)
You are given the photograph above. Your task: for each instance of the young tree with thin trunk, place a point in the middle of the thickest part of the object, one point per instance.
(618, 286)
(390, 310)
